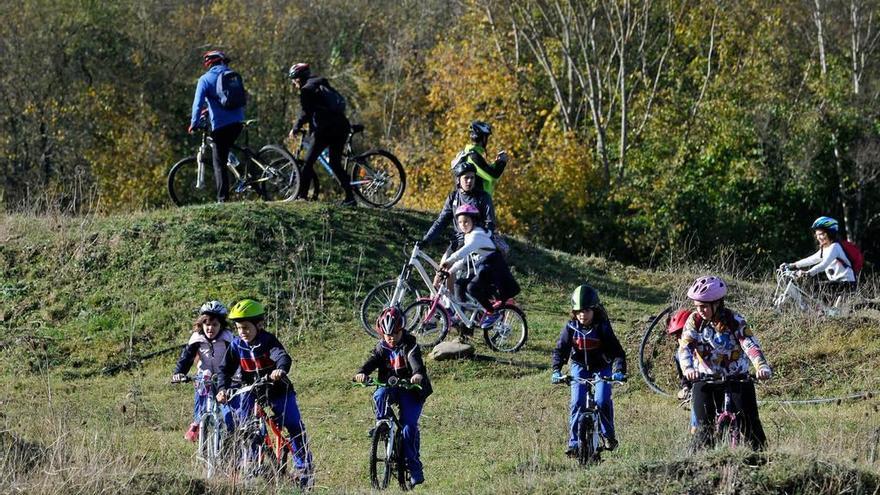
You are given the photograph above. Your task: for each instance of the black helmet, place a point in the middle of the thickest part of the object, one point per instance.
(462, 168)
(480, 130)
(584, 297)
(299, 71)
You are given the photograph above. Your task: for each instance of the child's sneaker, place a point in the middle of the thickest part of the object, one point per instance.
(192, 434)
(489, 319)
(571, 452)
(610, 444)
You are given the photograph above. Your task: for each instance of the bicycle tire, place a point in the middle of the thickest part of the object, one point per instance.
(428, 324)
(280, 179)
(511, 323)
(586, 452)
(250, 450)
(401, 468)
(378, 178)
(380, 478)
(182, 183)
(646, 366)
(379, 298)
(210, 445)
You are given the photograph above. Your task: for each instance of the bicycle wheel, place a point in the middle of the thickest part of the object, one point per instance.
(587, 452)
(400, 466)
(379, 298)
(510, 330)
(184, 187)
(656, 347)
(377, 177)
(210, 444)
(279, 179)
(428, 326)
(250, 450)
(380, 462)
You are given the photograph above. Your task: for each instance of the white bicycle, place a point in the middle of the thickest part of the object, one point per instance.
(790, 293)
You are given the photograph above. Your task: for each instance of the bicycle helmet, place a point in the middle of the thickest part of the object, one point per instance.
(390, 321)
(584, 297)
(707, 289)
(247, 310)
(467, 209)
(214, 57)
(479, 130)
(214, 308)
(299, 71)
(677, 321)
(825, 223)
(462, 168)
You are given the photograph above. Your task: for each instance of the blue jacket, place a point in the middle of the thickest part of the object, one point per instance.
(592, 347)
(256, 360)
(206, 90)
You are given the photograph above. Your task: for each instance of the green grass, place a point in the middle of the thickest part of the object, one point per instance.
(78, 295)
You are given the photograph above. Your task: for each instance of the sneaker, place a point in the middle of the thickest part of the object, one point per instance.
(350, 202)
(413, 481)
(571, 452)
(611, 444)
(489, 319)
(192, 434)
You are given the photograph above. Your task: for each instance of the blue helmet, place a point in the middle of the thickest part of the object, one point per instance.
(825, 223)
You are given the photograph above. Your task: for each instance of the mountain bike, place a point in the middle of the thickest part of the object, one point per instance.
(400, 291)
(212, 427)
(591, 442)
(376, 176)
(727, 423)
(270, 173)
(386, 451)
(428, 319)
(260, 445)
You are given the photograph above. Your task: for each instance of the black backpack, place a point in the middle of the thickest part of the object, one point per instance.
(230, 90)
(331, 100)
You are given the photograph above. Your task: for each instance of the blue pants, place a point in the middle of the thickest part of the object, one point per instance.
(602, 394)
(287, 413)
(410, 410)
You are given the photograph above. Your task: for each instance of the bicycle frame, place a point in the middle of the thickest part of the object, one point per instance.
(415, 262)
(788, 290)
(272, 434)
(727, 417)
(249, 157)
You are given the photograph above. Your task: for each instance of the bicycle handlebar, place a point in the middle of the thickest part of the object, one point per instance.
(596, 378)
(393, 382)
(721, 380)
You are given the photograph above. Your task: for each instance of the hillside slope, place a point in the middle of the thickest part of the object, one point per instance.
(82, 295)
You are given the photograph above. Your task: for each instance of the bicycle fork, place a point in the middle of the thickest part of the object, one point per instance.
(200, 166)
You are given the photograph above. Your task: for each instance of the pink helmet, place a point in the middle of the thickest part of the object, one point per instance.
(707, 289)
(467, 209)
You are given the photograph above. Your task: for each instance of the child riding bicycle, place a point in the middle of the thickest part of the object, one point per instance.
(718, 343)
(479, 268)
(208, 342)
(831, 260)
(397, 354)
(257, 354)
(588, 341)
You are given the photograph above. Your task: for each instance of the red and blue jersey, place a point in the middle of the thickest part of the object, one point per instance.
(254, 360)
(403, 361)
(593, 347)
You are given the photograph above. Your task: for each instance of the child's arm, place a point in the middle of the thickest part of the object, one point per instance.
(373, 362)
(187, 357)
(443, 219)
(752, 348)
(278, 354)
(615, 351)
(562, 349)
(228, 368)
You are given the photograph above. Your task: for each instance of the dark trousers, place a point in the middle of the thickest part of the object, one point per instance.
(335, 145)
(223, 139)
(708, 399)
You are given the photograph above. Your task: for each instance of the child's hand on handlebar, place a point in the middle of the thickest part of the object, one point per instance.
(692, 374)
(416, 379)
(222, 397)
(277, 375)
(764, 373)
(360, 378)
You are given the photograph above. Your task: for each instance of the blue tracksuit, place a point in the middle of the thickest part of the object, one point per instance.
(592, 349)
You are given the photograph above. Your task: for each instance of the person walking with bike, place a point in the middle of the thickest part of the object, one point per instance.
(208, 342)
(257, 354)
(398, 354)
(587, 342)
(226, 116)
(487, 173)
(323, 109)
(717, 343)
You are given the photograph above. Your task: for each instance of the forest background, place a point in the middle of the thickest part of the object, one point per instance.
(637, 128)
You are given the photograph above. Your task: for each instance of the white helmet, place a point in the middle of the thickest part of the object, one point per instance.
(214, 308)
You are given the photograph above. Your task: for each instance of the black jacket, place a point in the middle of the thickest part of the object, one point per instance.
(592, 347)
(313, 111)
(456, 198)
(402, 361)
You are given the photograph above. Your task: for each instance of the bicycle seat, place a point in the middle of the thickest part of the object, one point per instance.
(356, 128)
(249, 122)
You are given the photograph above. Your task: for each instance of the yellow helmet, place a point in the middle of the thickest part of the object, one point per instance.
(247, 309)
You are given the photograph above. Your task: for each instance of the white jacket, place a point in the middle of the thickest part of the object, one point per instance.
(477, 246)
(829, 259)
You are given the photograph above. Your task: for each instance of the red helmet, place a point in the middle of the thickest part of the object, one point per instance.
(390, 321)
(299, 71)
(677, 321)
(214, 57)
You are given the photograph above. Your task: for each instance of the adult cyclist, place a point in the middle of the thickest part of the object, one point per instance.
(323, 109)
(226, 123)
(487, 173)
(465, 192)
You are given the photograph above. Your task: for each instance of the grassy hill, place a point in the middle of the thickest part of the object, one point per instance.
(87, 304)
